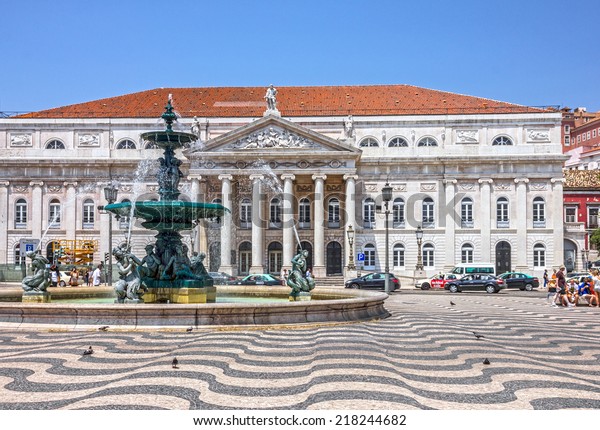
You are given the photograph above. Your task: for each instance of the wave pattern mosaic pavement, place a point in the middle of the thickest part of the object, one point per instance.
(423, 357)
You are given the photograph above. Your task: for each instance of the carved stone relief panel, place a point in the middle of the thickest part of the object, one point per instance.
(54, 188)
(502, 186)
(20, 188)
(88, 139)
(371, 187)
(467, 136)
(429, 187)
(21, 139)
(272, 137)
(304, 188)
(467, 186)
(398, 187)
(538, 186)
(538, 135)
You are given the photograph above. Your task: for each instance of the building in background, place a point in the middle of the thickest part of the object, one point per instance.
(482, 178)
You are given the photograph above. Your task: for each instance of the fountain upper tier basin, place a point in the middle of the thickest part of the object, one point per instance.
(175, 215)
(169, 138)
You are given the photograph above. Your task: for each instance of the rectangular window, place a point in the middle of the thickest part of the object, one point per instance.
(466, 255)
(588, 135)
(539, 258)
(579, 138)
(369, 258)
(567, 141)
(398, 257)
(592, 217)
(21, 215)
(594, 133)
(567, 129)
(369, 215)
(570, 214)
(583, 137)
(428, 258)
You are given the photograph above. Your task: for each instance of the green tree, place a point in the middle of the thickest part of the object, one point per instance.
(595, 238)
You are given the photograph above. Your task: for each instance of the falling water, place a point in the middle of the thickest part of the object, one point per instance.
(274, 183)
(139, 176)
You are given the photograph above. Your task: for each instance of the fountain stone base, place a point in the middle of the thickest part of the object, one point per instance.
(182, 291)
(36, 297)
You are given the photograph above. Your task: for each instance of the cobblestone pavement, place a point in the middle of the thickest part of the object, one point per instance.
(425, 356)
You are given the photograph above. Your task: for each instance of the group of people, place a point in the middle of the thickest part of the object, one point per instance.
(88, 277)
(567, 293)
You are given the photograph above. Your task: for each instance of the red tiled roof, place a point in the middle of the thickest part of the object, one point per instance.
(291, 101)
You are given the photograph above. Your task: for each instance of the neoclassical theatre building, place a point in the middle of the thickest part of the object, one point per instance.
(482, 178)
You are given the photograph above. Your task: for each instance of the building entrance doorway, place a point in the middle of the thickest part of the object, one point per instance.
(334, 259)
(502, 257)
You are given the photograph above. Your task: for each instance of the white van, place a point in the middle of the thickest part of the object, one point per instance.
(468, 268)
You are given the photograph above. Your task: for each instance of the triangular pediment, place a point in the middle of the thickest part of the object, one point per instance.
(274, 135)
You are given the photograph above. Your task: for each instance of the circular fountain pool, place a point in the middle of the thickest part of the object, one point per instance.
(328, 305)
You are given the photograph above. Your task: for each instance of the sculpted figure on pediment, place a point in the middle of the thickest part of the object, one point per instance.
(272, 138)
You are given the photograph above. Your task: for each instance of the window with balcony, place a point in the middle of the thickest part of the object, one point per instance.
(21, 214)
(333, 213)
(88, 214)
(304, 213)
(54, 214)
(539, 213)
(245, 214)
(427, 213)
(369, 213)
(502, 220)
(466, 213)
(570, 213)
(398, 210)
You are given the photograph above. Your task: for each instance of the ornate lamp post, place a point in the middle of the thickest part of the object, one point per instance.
(350, 234)
(419, 234)
(386, 193)
(110, 194)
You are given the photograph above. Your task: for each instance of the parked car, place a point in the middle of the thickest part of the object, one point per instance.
(521, 281)
(437, 281)
(373, 281)
(65, 277)
(260, 279)
(578, 276)
(476, 282)
(222, 278)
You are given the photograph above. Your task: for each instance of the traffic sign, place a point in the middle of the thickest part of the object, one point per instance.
(360, 256)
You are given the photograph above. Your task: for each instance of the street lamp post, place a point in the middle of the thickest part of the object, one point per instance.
(350, 234)
(386, 193)
(110, 194)
(419, 234)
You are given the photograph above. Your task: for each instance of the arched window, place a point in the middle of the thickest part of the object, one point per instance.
(502, 141)
(428, 252)
(427, 141)
(19, 256)
(398, 255)
(304, 213)
(502, 220)
(151, 145)
(466, 253)
(428, 218)
(55, 144)
(398, 213)
(333, 211)
(368, 142)
(275, 213)
(397, 142)
(245, 257)
(466, 213)
(369, 213)
(126, 144)
(539, 213)
(54, 214)
(369, 251)
(88, 214)
(539, 256)
(21, 214)
(246, 213)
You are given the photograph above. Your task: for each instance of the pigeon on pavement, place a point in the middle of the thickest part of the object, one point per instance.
(88, 351)
(175, 363)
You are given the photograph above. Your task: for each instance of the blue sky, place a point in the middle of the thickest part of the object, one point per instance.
(537, 52)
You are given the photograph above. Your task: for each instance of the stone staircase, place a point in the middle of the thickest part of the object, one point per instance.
(330, 281)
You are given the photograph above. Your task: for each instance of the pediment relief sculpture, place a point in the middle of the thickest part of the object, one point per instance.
(272, 137)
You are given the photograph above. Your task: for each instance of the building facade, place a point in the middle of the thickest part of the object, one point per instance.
(482, 178)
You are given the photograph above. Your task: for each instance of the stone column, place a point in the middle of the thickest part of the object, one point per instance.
(4, 222)
(521, 221)
(486, 219)
(257, 226)
(69, 211)
(557, 222)
(450, 230)
(289, 239)
(36, 209)
(195, 197)
(318, 269)
(350, 220)
(226, 227)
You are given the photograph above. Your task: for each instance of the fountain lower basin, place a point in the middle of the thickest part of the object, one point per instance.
(328, 305)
